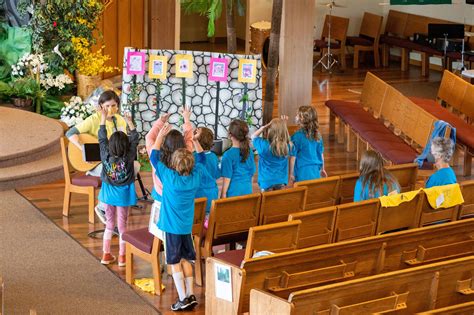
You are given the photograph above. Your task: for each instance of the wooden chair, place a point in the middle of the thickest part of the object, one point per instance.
(346, 187)
(317, 226)
(356, 220)
(75, 182)
(145, 245)
(467, 208)
(276, 238)
(368, 39)
(230, 220)
(323, 192)
(404, 216)
(339, 26)
(405, 174)
(277, 205)
(429, 216)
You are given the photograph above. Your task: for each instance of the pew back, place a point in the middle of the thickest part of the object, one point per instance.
(429, 215)
(356, 220)
(277, 205)
(404, 216)
(316, 227)
(323, 192)
(467, 208)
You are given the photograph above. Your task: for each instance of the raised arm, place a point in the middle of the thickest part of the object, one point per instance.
(187, 128)
(103, 141)
(153, 133)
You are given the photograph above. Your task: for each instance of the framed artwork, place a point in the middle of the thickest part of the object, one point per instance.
(157, 67)
(136, 62)
(218, 69)
(184, 66)
(247, 71)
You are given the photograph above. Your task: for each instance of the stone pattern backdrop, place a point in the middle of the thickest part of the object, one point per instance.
(200, 92)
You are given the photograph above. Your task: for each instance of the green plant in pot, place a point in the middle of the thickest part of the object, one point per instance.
(24, 92)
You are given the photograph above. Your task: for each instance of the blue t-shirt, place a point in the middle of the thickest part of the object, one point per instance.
(272, 169)
(208, 186)
(362, 193)
(239, 173)
(309, 156)
(179, 192)
(443, 176)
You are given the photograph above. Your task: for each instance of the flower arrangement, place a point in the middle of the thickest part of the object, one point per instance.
(88, 62)
(55, 22)
(75, 111)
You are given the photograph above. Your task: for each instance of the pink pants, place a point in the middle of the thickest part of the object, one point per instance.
(122, 215)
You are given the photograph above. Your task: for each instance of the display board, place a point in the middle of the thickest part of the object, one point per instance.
(401, 2)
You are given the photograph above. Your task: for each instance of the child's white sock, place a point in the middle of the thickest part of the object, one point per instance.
(178, 278)
(189, 286)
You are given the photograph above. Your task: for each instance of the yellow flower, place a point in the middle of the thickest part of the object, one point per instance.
(88, 62)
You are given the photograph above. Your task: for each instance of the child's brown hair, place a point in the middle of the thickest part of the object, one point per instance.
(278, 136)
(240, 130)
(374, 174)
(308, 121)
(206, 138)
(173, 141)
(182, 161)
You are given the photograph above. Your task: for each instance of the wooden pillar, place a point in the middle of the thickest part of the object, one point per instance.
(164, 24)
(296, 56)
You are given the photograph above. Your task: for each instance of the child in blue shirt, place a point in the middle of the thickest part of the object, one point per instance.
(374, 180)
(274, 150)
(238, 165)
(208, 187)
(181, 182)
(308, 163)
(118, 182)
(442, 150)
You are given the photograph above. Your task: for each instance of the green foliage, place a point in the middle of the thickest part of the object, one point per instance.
(55, 22)
(22, 88)
(212, 9)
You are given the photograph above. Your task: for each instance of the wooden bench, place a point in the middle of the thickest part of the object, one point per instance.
(356, 220)
(283, 273)
(458, 95)
(400, 27)
(457, 309)
(409, 126)
(428, 215)
(404, 292)
(317, 226)
(323, 192)
(467, 208)
(277, 205)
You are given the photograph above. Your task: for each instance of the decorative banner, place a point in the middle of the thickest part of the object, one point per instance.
(247, 71)
(218, 69)
(157, 67)
(136, 62)
(184, 66)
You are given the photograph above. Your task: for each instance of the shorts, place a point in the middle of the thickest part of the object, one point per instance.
(275, 187)
(177, 247)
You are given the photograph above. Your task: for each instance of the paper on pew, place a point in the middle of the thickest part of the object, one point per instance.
(468, 73)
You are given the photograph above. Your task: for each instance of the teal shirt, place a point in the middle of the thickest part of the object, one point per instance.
(208, 186)
(272, 169)
(179, 192)
(239, 173)
(362, 193)
(443, 176)
(309, 156)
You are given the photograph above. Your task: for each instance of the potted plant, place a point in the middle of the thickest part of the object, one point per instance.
(24, 92)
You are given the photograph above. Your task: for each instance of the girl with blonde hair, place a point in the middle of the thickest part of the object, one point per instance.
(309, 148)
(274, 150)
(374, 180)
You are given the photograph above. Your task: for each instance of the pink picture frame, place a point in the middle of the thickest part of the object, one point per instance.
(218, 69)
(136, 62)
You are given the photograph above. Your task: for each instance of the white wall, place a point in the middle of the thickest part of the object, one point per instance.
(260, 10)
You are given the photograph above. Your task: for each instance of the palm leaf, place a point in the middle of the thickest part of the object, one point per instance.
(240, 8)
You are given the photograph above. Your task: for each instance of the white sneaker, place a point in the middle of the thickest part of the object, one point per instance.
(100, 211)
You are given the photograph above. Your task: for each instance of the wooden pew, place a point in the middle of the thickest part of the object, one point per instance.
(277, 205)
(457, 309)
(277, 238)
(317, 226)
(283, 273)
(347, 185)
(404, 216)
(356, 220)
(404, 292)
(428, 215)
(467, 208)
(323, 192)
(230, 220)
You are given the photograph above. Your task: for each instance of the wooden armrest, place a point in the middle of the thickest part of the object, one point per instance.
(316, 276)
(424, 255)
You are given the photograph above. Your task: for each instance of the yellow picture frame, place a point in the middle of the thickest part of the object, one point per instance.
(184, 66)
(157, 67)
(247, 71)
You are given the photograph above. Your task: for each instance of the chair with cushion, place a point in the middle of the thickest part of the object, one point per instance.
(79, 183)
(145, 245)
(368, 39)
(339, 26)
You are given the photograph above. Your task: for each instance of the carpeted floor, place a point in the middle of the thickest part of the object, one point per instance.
(46, 270)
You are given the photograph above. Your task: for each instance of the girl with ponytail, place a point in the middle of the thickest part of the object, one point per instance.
(238, 164)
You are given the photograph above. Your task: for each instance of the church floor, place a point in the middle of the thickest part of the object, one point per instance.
(49, 197)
